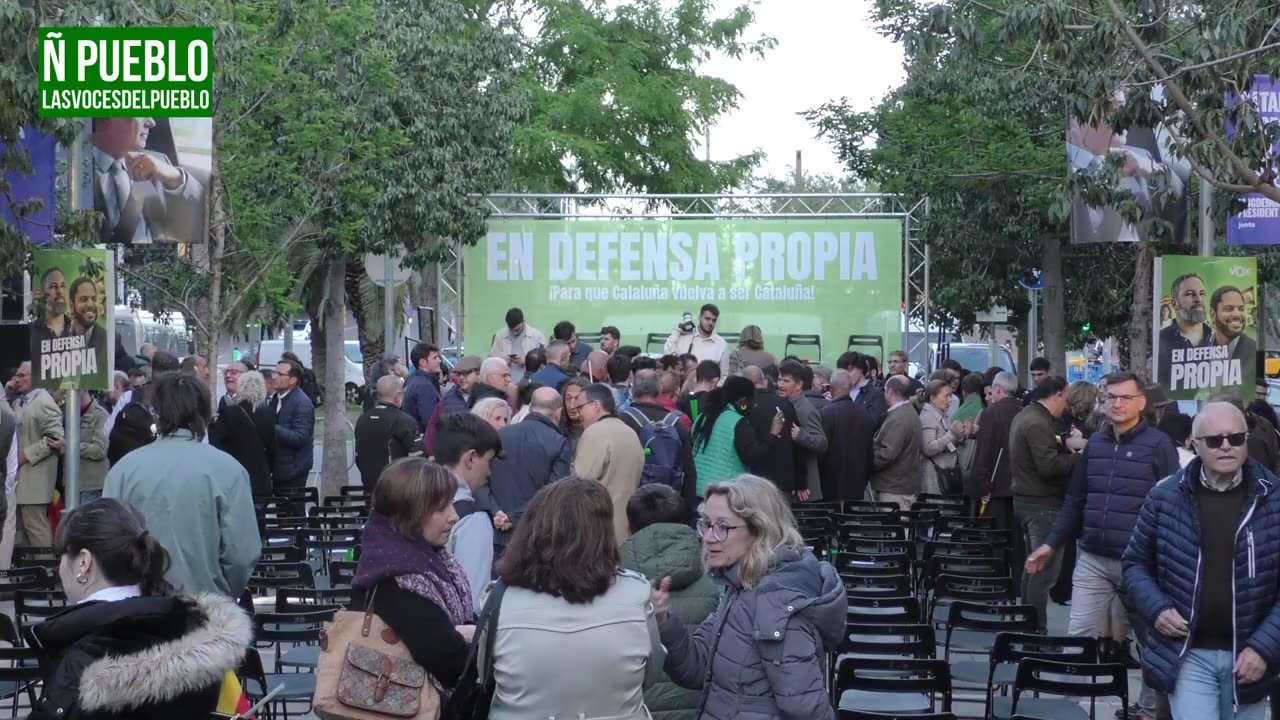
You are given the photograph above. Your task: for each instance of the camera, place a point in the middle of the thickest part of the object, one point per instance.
(686, 322)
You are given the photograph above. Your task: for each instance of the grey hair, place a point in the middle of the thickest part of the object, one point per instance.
(1214, 408)
(251, 388)
(492, 366)
(768, 517)
(1005, 381)
(485, 407)
(120, 378)
(645, 384)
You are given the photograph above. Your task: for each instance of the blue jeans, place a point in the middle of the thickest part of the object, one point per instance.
(1206, 688)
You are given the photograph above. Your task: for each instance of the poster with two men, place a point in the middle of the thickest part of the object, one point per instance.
(1206, 326)
(72, 319)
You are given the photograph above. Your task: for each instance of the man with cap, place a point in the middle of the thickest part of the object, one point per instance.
(1157, 403)
(384, 432)
(457, 399)
(466, 372)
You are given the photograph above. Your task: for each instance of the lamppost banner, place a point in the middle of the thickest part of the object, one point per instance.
(72, 319)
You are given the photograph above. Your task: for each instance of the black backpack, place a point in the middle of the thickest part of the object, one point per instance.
(135, 426)
(663, 462)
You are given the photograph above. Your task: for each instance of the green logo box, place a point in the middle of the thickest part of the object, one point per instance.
(126, 72)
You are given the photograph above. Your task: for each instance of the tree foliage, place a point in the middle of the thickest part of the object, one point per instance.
(618, 100)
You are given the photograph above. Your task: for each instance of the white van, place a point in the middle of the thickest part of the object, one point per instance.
(269, 352)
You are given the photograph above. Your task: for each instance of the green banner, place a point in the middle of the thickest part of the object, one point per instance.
(829, 278)
(1206, 326)
(72, 325)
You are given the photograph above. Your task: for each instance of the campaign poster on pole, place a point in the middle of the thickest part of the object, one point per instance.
(1206, 328)
(1259, 222)
(72, 323)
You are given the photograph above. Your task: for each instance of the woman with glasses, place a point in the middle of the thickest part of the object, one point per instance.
(577, 637)
(246, 434)
(761, 653)
(725, 444)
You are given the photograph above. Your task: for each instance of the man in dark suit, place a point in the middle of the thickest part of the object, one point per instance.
(780, 466)
(295, 427)
(863, 391)
(384, 432)
(850, 429)
(142, 195)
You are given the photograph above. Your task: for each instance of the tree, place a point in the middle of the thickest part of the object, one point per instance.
(617, 98)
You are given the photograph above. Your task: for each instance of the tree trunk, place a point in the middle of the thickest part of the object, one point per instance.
(1140, 313)
(372, 345)
(319, 350)
(1054, 331)
(217, 248)
(333, 468)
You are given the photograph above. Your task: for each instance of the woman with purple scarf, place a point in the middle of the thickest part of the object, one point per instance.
(417, 588)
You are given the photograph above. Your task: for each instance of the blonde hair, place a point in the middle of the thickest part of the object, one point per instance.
(251, 388)
(769, 520)
(484, 408)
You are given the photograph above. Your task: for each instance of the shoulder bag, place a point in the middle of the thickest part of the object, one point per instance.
(474, 693)
(366, 673)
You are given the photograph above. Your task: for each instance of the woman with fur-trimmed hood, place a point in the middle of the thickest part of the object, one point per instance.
(126, 648)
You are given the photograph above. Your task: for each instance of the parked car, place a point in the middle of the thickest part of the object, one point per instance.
(269, 351)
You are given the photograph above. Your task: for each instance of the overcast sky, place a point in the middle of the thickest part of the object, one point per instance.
(826, 49)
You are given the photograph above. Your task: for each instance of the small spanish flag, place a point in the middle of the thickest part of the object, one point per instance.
(232, 700)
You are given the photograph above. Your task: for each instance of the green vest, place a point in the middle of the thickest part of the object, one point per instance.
(719, 460)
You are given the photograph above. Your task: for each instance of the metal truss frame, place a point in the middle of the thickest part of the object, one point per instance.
(528, 206)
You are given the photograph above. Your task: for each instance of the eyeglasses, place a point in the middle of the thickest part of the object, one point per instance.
(718, 532)
(578, 408)
(1215, 441)
(1121, 398)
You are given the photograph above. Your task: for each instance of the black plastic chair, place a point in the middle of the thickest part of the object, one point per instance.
(355, 491)
(873, 565)
(326, 542)
(859, 715)
(972, 627)
(803, 340)
(589, 338)
(871, 532)
(985, 590)
(867, 341)
(869, 506)
(28, 578)
(883, 610)
(295, 636)
(298, 600)
(892, 686)
(19, 674)
(881, 640)
(270, 576)
(342, 573)
(297, 688)
(1070, 680)
(1001, 668)
(1003, 536)
(31, 607)
(655, 339)
(44, 557)
(871, 586)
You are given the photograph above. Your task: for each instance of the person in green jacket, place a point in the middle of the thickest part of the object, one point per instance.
(663, 545)
(725, 445)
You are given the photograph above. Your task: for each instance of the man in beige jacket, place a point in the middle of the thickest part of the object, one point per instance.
(513, 343)
(39, 442)
(609, 452)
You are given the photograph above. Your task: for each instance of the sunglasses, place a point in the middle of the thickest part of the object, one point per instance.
(1215, 441)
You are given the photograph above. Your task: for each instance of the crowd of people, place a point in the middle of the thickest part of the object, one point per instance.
(631, 517)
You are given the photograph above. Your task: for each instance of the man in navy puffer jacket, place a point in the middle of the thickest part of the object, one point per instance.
(1119, 467)
(1202, 571)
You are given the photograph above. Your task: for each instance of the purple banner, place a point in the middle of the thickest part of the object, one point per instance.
(38, 186)
(1259, 223)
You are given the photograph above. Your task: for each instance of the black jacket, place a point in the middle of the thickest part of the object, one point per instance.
(655, 413)
(846, 466)
(384, 433)
(1264, 444)
(779, 465)
(236, 433)
(992, 445)
(536, 454)
(872, 398)
(146, 658)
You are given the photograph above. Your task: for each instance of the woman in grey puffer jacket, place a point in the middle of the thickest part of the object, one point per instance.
(760, 655)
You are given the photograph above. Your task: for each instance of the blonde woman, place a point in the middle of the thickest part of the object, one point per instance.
(750, 351)
(494, 411)
(246, 434)
(760, 654)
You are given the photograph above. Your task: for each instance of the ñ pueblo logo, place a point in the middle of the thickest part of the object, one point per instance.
(1239, 271)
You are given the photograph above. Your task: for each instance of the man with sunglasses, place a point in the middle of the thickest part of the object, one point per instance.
(1201, 570)
(1121, 464)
